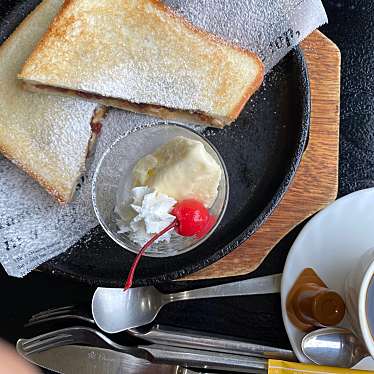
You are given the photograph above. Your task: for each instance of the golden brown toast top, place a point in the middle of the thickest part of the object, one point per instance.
(141, 51)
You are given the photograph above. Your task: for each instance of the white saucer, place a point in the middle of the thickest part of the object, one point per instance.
(331, 243)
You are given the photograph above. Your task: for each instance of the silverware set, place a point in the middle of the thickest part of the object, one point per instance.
(168, 349)
(179, 349)
(154, 353)
(171, 336)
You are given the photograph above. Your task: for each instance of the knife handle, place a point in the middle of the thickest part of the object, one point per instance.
(184, 338)
(194, 358)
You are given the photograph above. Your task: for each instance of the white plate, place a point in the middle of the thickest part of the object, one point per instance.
(331, 243)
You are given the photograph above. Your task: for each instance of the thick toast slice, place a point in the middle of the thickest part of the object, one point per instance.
(47, 136)
(140, 56)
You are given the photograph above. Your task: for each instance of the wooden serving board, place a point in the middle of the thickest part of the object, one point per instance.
(316, 182)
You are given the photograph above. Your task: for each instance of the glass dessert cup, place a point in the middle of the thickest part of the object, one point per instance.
(112, 184)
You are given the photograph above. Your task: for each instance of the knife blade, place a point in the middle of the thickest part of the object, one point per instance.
(75, 359)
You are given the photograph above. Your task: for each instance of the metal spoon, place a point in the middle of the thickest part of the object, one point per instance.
(332, 346)
(115, 310)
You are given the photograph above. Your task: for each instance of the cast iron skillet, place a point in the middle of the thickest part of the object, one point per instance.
(262, 151)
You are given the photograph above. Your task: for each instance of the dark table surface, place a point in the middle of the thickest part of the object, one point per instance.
(258, 318)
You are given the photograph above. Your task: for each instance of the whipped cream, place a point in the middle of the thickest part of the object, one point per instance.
(146, 215)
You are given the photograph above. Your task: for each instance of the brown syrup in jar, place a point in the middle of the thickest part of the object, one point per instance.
(311, 304)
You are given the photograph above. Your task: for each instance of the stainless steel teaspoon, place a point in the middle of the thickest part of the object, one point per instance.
(115, 310)
(333, 346)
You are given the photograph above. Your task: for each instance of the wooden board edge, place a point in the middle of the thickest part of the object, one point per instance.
(215, 270)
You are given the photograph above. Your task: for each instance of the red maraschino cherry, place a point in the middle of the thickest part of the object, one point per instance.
(191, 219)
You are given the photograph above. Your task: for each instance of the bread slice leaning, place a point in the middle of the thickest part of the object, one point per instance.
(46, 136)
(140, 56)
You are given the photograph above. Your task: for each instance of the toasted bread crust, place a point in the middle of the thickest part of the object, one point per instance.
(14, 137)
(234, 107)
(162, 6)
(252, 88)
(250, 91)
(22, 25)
(61, 198)
(165, 8)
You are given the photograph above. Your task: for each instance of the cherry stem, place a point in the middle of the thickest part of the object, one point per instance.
(130, 277)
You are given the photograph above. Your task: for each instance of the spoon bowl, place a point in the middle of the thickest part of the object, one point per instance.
(115, 310)
(332, 346)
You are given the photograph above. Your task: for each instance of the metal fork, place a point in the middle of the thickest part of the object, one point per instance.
(69, 336)
(65, 312)
(175, 337)
(69, 312)
(154, 353)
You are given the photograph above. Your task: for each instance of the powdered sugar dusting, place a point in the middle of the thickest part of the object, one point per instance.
(271, 28)
(33, 227)
(143, 55)
(48, 136)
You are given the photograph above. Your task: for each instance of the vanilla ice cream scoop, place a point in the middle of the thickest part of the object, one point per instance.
(181, 169)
